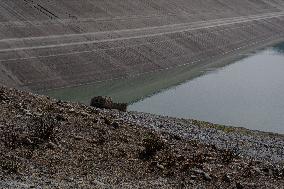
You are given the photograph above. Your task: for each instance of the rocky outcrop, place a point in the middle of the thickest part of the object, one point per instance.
(107, 103)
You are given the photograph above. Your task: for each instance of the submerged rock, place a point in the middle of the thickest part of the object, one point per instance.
(107, 103)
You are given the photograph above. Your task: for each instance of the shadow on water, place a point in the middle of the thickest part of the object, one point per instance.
(247, 93)
(219, 92)
(133, 89)
(279, 48)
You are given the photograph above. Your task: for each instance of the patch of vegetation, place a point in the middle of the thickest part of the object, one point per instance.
(46, 129)
(10, 139)
(211, 125)
(224, 128)
(43, 129)
(228, 155)
(152, 144)
(10, 166)
(39, 130)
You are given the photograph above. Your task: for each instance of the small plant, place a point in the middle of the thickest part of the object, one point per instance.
(151, 144)
(10, 139)
(228, 155)
(199, 158)
(43, 128)
(10, 166)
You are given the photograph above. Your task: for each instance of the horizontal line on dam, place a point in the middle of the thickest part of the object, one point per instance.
(109, 48)
(57, 44)
(154, 31)
(192, 24)
(170, 67)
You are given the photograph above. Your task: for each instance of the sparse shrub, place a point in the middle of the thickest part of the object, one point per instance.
(10, 139)
(39, 130)
(199, 158)
(43, 128)
(228, 155)
(9, 165)
(151, 144)
(101, 138)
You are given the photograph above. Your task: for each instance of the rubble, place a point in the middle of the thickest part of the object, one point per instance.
(107, 103)
(54, 147)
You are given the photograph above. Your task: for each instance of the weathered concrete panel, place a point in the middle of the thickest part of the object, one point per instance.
(51, 44)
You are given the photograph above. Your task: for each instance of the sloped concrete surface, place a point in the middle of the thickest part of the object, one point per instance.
(54, 44)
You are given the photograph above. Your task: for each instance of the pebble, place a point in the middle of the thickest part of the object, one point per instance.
(160, 166)
(205, 175)
(51, 145)
(249, 147)
(115, 125)
(239, 185)
(227, 178)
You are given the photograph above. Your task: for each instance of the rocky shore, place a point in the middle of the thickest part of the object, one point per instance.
(46, 143)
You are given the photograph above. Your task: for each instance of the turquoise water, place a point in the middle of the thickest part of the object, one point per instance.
(248, 93)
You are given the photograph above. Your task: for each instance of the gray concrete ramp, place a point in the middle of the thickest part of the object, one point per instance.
(54, 44)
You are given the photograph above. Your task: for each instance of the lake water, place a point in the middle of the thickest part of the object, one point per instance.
(248, 93)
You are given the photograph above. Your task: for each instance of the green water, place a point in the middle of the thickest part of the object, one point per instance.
(248, 93)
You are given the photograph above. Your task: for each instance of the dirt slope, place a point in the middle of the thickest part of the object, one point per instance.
(49, 143)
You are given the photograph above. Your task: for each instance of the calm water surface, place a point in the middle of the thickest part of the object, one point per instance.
(248, 93)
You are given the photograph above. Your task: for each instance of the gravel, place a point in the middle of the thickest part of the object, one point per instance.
(251, 144)
(48, 143)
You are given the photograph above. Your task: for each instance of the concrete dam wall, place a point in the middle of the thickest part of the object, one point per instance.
(54, 44)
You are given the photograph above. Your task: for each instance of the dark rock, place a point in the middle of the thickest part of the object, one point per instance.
(115, 125)
(25, 140)
(120, 106)
(267, 171)
(51, 145)
(160, 166)
(78, 137)
(205, 175)
(107, 121)
(59, 102)
(107, 103)
(198, 171)
(227, 178)
(239, 185)
(60, 118)
(177, 137)
(152, 144)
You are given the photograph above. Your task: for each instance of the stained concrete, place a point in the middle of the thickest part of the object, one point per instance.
(54, 44)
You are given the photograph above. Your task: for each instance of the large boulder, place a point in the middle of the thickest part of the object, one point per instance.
(107, 103)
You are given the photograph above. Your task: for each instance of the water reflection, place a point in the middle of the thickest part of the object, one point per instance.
(248, 93)
(279, 48)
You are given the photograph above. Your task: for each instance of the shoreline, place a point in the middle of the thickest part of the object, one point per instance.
(134, 88)
(259, 145)
(92, 147)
